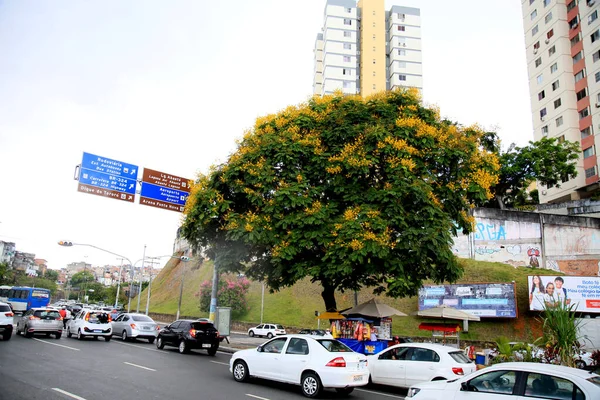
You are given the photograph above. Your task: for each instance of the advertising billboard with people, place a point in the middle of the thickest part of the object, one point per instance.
(486, 300)
(582, 291)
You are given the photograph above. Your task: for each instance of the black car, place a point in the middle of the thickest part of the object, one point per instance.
(187, 334)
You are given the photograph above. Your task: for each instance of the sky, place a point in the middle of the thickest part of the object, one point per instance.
(172, 85)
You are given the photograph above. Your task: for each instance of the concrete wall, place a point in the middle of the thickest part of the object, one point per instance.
(562, 243)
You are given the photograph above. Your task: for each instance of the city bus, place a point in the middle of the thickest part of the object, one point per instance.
(23, 298)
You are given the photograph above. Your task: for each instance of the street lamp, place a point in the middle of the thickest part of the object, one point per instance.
(185, 260)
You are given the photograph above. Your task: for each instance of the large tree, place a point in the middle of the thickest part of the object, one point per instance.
(346, 190)
(548, 161)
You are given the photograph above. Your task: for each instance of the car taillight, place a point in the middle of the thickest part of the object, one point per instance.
(31, 317)
(336, 362)
(87, 317)
(157, 328)
(9, 314)
(109, 318)
(458, 371)
(133, 326)
(217, 333)
(192, 332)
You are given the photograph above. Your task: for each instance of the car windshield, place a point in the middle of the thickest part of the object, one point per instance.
(97, 318)
(46, 314)
(334, 346)
(460, 357)
(595, 380)
(279, 327)
(141, 318)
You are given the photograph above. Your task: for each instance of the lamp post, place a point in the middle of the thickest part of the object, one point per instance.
(185, 260)
(119, 282)
(150, 283)
(140, 279)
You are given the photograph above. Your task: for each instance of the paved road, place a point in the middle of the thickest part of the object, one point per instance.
(50, 369)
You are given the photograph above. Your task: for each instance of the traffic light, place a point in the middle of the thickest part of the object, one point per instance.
(65, 243)
(184, 258)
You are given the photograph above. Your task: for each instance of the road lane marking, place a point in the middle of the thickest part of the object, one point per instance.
(139, 366)
(256, 397)
(218, 362)
(56, 344)
(68, 394)
(379, 393)
(139, 347)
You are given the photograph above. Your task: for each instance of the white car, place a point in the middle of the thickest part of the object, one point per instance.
(512, 381)
(132, 326)
(406, 364)
(6, 321)
(268, 330)
(313, 363)
(93, 323)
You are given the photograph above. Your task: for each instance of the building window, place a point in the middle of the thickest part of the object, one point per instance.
(348, 46)
(597, 76)
(588, 152)
(346, 84)
(348, 9)
(561, 139)
(347, 21)
(402, 42)
(533, 14)
(551, 50)
(596, 56)
(581, 94)
(401, 28)
(546, 2)
(555, 85)
(571, 5)
(346, 58)
(543, 113)
(559, 121)
(373, 36)
(535, 30)
(545, 130)
(531, 2)
(538, 62)
(540, 79)
(374, 61)
(373, 48)
(574, 23)
(373, 24)
(402, 77)
(401, 16)
(346, 71)
(541, 95)
(374, 87)
(550, 33)
(373, 73)
(401, 64)
(557, 103)
(576, 39)
(553, 68)
(584, 113)
(548, 17)
(373, 12)
(592, 17)
(595, 36)
(347, 34)
(577, 57)
(586, 132)
(401, 52)
(579, 76)
(590, 172)
(536, 45)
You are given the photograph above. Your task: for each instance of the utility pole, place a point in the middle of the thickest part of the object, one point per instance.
(140, 278)
(152, 262)
(119, 282)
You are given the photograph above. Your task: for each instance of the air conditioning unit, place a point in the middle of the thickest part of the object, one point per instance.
(547, 41)
(543, 118)
(597, 105)
(591, 3)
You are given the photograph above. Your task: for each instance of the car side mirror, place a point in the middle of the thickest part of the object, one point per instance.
(259, 349)
(464, 387)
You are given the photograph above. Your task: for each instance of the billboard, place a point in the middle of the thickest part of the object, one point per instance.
(486, 300)
(584, 291)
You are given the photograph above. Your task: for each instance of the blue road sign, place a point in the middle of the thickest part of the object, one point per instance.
(106, 173)
(109, 166)
(165, 194)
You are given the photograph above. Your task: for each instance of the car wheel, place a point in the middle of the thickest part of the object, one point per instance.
(151, 340)
(124, 336)
(240, 371)
(57, 335)
(80, 336)
(269, 335)
(345, 391)
(107, 338)
(251, 333)
(18, 330)
(69, 334)
(183, 347)
(311, 385)
(6, 335)
(27, 333)
(159, 343)
(213, 350)
(580, 364)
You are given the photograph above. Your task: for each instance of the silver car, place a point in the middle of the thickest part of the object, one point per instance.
(132, 326)
(40, 320)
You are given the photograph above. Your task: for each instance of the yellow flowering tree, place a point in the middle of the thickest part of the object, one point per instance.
(349, 191)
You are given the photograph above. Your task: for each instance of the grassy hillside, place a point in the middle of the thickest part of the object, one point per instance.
(295, 306)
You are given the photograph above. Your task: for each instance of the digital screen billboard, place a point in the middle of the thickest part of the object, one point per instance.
(584, 291)
(486, 300)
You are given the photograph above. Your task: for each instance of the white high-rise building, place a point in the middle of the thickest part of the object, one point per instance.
(562, 41)
(364, 49)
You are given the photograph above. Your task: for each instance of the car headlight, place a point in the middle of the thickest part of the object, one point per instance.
(412, 392)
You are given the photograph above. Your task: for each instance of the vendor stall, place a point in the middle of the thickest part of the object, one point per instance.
(442, 331)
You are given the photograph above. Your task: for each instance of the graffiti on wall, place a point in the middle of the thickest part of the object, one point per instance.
(489, 232)
(533, 253)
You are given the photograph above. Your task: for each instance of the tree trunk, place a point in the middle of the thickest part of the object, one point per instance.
(500, 202)
(328, 295)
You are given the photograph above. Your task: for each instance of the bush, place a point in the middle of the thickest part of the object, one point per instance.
(560, 338)
(231, 293)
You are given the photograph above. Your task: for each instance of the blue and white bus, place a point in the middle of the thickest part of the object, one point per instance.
(23, 298)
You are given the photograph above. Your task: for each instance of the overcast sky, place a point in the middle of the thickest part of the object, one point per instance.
(170, 85)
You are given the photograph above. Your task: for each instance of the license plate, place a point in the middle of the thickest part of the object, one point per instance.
(357, 378)
(146, 328)
(47, 321)
(97, 330)
(206, 345)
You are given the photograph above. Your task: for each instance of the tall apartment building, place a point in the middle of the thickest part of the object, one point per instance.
(364, 49)
(562, 39)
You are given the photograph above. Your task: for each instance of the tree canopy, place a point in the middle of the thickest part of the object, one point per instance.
(82, 277)
(346, 190)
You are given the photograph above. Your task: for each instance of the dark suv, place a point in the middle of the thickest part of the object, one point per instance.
(188, 334)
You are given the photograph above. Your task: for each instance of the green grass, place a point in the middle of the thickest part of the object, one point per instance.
(295, 306)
